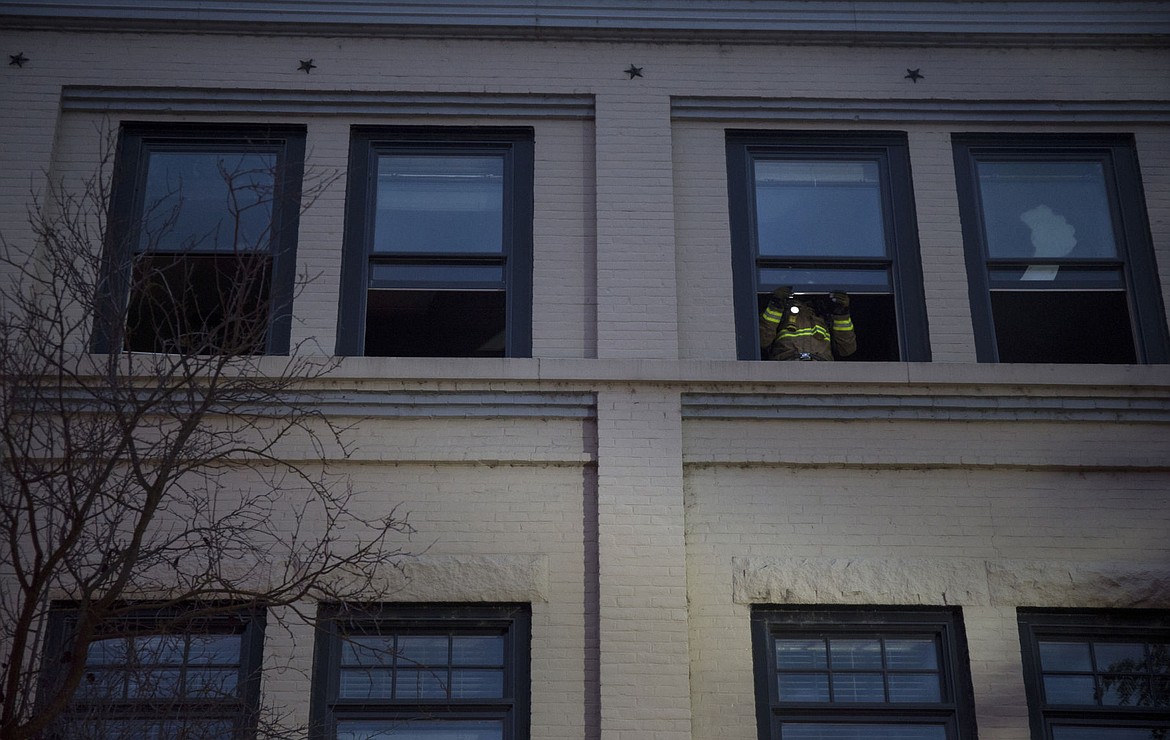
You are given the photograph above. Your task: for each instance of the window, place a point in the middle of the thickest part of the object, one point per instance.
(861, 674)
(1097, 675)
(1058, 250)
(822, 212)
(201, 240)
(438, 243)
(161, 674)
(423, 673)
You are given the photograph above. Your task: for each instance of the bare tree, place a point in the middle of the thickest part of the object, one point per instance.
(180, 473)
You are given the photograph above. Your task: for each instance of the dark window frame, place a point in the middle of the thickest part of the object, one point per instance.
(1117, 154)
(514, 621)
(956, 706)
(146, 620)
(136, 142)
(366, 144)
(890, 151)
(1102, 625)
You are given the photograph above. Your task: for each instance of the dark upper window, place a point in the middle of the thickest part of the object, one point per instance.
(1058, 250)
(423, 673)
(828, 211)
(438, 243)
(861, 674)
(1097, 675)
(201, 240)
(161, 673)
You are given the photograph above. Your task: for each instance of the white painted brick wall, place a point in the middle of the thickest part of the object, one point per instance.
(632, 262)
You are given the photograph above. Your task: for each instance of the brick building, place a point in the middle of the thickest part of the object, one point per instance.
(964, 525)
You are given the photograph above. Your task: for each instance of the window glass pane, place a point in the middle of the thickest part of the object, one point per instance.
(214, 649)
(100, 684)
(1120, 657)
(1034, 277)
(914, 687)
(823, 280)
(803, 686)
(1109, 733)
(168, 649)
(421, 684)
(207, 201)
(855, 687)
(1046, 209)
(111, 651)
(1062, 326)
(810, 731)
(153, 683)
(435, 323)
(1069, 690)
(366, 683)
(819, 209)
(1065, 656)
(911, 654)
(801, 654)
(423, 650)
(855, 653)
(1127, 691)
(405, 729)
(214, 683)
(439, 203)
(477, 684)
(477, 650)
(367, 650)
(186, 729)
(384, 275)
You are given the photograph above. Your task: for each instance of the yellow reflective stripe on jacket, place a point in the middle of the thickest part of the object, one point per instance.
(812, 331)
(772, 316)
(845, 324)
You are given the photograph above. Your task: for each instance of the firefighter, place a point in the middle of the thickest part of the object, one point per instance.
(796, 327)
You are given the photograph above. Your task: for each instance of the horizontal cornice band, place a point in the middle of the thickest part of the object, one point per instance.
(208, 101)
(857, 407)
(743, 20)
(457, 404)
(875, 110)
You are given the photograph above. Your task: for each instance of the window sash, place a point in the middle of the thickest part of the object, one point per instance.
(1093, 239)
(887, 265)
(474, 166)
(406, 640)
(1097, 630)
(273, 159)
(801, 642)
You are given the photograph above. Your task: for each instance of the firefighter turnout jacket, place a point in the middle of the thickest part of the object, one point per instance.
(796, 330)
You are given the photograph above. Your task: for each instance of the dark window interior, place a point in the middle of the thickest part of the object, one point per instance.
(1063, 326)
(435, 323)
(874, 323)
(199, 304)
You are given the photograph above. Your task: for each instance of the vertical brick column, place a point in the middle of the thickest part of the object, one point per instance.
(637, 312)
(644, 654)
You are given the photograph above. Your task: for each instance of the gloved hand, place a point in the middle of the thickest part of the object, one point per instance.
(781, 297)
(840, 302)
